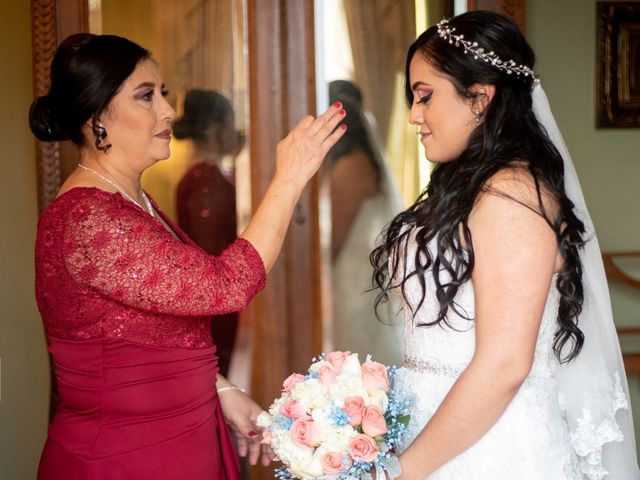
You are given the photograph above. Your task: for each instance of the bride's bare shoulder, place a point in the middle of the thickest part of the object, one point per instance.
(516, 183)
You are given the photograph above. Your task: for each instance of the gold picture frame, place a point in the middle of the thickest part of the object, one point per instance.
(618, 65)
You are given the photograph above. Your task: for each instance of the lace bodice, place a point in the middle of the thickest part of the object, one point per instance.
(105, 268)
(434, 358)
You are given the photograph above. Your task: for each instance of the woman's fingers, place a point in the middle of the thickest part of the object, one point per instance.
(267, 455)
(242, 445)
(333, 138)
(254, 451)
(249, 445)
(331, 116)
(302, 151)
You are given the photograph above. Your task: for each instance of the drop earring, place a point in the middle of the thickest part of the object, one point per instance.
(101, 133)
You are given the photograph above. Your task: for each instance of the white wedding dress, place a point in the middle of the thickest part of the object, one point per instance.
(531, 440)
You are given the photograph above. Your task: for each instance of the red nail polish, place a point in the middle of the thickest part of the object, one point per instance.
(343, 127)
(337, 105)
(342, 112)
(252, 433)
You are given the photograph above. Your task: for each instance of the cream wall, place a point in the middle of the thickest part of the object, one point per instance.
(24, 378)
(563, 35)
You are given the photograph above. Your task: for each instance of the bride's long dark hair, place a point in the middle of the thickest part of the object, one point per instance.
(508, 137)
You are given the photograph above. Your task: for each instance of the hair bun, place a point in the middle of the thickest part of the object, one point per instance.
(183, 129)
(44, 122)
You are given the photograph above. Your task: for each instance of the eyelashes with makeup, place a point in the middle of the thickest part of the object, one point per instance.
(425, 98)
(149, 95)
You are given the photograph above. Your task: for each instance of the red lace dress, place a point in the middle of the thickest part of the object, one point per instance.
(127, 311)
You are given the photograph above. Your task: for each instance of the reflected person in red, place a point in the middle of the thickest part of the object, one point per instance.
(206, 194)
(126, 297)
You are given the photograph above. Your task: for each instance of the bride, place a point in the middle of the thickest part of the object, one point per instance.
(510, 344)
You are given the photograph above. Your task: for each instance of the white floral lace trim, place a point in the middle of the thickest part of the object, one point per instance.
(588, 438)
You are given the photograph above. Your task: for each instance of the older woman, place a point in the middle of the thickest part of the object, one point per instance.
(126, 297)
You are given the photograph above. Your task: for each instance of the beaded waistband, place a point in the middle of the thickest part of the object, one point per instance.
(431, 366)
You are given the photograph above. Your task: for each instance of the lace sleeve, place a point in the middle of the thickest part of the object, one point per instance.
(117, 251)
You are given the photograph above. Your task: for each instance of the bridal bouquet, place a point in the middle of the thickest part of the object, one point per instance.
(339, 421)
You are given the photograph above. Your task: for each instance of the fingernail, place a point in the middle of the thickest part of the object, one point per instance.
(252, 433)
(342, 112)
(337, 105)
(343, 127)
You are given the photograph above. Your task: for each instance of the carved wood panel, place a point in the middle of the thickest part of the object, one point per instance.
(44, 42)
(51, 22)
(514, 9)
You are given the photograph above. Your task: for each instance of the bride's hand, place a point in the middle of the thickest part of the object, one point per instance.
(301, 152)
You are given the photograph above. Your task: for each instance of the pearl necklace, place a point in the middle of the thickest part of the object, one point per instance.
(149, 208)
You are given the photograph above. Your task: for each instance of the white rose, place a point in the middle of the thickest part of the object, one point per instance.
(316, 366)
(264, 420)
(288, 451)
(334, 438)
(312, 468)
(338, 439)
(380, 399)
(311, 394)
(347, 386)
(322, 416)
(351, 366)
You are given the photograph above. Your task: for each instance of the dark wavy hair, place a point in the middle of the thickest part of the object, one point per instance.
(509, 137)
(86, 73)
(203, 108)
(357, 136)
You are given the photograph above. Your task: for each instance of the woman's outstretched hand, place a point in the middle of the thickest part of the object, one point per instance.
(241, 412)
(301, 152)
(298, 157)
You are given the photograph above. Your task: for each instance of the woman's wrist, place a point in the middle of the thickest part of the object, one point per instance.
(288, 185)
(229, 388)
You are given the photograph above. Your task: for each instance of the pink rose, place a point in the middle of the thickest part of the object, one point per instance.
(373, 423)
(374, 376)
(293, 409)
(327, 374)
(291, 381)
(337, 358)
(333, 462)
(364, 448)
(305, 432)
(353, 406)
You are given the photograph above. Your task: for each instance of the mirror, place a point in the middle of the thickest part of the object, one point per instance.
(377, 169)
(200, 47)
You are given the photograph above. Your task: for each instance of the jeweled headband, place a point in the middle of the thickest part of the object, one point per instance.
(446, 32)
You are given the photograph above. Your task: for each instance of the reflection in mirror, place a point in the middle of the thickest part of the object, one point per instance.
(376, 168)
(200, 47)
